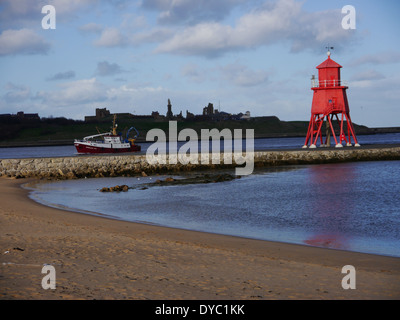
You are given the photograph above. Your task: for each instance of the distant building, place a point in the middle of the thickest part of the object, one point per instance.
(170, 115)
(29, 116)
(20, 116)
(246, 116)
(208, 114)
(189, 115)
(100, 114)
(169, 112)
(209, 110)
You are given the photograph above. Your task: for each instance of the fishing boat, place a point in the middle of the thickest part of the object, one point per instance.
(109, 142)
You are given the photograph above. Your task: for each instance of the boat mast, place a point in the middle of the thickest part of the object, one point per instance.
(114, 129)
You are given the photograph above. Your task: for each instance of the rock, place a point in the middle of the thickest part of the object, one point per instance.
(169, 180)
(117, 188)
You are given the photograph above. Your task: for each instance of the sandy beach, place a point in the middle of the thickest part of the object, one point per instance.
(99, 258)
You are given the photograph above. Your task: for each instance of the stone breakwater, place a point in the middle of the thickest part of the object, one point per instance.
(130, 165)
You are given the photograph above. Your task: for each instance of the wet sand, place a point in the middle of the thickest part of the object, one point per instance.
(99, 258)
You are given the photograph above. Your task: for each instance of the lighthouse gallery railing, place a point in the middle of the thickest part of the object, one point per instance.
(328, 83)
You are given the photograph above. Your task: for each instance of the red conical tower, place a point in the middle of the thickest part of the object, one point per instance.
(329, 102)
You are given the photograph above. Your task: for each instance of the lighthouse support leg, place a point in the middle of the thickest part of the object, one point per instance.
(327, 133)
(318, 130)
(350, 124)
(348, 131)
(310, 128)
(342, 135)
(333, 131)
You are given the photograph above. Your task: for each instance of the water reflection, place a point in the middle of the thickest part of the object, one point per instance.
(352, 206)
(331, 204)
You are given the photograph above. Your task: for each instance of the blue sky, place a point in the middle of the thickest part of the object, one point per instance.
(240, 55)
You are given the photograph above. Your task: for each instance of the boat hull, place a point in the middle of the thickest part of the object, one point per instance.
(92, 148)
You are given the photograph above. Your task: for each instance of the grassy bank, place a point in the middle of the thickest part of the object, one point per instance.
(61, 131)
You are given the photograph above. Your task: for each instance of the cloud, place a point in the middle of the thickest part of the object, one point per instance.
(91, 28)
(105, 68)
(283, 21)
(190, 12)
(193, 72)
(209, 39)
(24, 41)
(377, 59)
(70, 7)
(29, 13)
(74, 93)
(151, 36)
(130, 90)
(16, 93)
(242, 76)
(367, 75)
(62, 76)
(111, 37)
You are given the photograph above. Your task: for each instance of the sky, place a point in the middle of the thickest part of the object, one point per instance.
(240, 55)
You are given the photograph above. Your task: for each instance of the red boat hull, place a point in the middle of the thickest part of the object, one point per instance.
(83, 148)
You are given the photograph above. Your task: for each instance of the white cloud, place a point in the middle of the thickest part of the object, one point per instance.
(282, 21)
(16, 93)
(151, 36)
(74, 93)
(67, 7)
(28, 13)
(175, 12)
(377, 58)
(132, 89)
(81, 97)
(203, 39)
(24, 41)
(193, 72)
(367, 75)
(242, 76)
(111, 37)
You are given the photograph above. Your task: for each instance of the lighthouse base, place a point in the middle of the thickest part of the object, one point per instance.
(344, 124)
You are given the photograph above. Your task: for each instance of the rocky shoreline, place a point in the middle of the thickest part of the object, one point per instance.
(202, 178)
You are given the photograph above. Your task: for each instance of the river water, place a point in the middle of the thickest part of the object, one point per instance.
(349, 206)
(259, 144)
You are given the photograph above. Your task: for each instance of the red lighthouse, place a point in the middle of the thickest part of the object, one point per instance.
(330, 103)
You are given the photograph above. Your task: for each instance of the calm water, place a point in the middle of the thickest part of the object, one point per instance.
(350, 206)
(259, 144)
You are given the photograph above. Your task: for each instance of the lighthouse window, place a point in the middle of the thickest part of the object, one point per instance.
(330, 100)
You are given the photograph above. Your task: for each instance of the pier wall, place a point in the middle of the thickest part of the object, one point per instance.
(131, 165)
